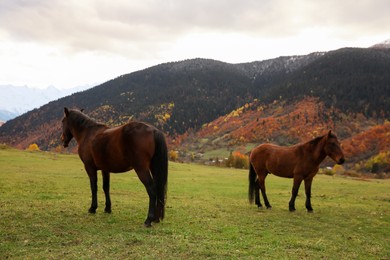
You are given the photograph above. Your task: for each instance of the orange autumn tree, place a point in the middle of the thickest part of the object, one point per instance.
(173, 155)
(33, 147)
(238, 160)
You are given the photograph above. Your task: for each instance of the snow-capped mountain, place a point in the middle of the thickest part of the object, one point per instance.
(16, 100)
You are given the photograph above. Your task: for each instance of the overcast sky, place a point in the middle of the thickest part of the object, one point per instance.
(80, 42)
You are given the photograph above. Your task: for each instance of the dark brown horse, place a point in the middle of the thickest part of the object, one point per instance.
(134, 145)
(300, 162)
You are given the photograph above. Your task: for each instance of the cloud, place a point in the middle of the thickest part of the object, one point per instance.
(113, 37)
(128, 25)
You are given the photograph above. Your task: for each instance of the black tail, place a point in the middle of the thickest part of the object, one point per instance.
(159, 169)
(252, 183)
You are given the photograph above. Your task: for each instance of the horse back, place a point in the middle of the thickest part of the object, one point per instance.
(123, 148)
(275, 159)
(139, 137)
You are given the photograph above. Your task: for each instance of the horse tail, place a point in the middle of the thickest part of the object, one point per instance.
(159, 169)
(252, 182)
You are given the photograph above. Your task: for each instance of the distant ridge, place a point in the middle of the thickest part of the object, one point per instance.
(16, 100)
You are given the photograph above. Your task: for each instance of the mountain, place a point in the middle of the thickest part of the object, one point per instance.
(382, 45)
(191, 93)
(354, 80)
(182, 97)
(6, 115)
(16, 100)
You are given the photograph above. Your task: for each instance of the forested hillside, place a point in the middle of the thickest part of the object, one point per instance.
(183, 97)
(175, 96)
(353, 80)
(287, 123)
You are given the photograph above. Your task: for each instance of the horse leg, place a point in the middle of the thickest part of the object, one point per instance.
(294, 193)
(262, 188)
(106, 188)
(308, 182)
(257, 194)
(147, 180)
(92, 174)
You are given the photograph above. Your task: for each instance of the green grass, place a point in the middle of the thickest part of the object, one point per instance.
(217, 153)
(44, 199)
(222, 153)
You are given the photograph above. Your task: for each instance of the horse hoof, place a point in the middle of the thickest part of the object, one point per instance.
(269, 207)
(92, 211)
(148, 224)
(310, 211)
(107, 210)
(292, 209)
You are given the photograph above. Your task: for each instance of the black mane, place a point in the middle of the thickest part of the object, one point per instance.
(82, 120)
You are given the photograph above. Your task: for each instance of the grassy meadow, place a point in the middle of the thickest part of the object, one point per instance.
(44, 198)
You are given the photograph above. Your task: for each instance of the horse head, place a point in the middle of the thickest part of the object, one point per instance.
(332, 148)
(67, 135)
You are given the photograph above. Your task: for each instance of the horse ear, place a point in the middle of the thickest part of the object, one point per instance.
(66, 111)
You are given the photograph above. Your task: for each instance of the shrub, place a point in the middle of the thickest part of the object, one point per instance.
(4, 147)
(338, 169)
(326, 171)
(33, 147)
(58, 149)
(173, 155)
(238, 160)
(378, 163)
(352, 173)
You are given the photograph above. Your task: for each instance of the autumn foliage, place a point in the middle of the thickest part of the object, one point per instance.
(33, 147)
(286, 123)
(373, 141)
(237, 160)
(173, 156)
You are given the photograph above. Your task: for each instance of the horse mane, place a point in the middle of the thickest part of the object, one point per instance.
(83, 120)
(316, 140)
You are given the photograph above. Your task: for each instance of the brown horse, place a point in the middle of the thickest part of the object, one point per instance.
(134, 145)
(300, 162)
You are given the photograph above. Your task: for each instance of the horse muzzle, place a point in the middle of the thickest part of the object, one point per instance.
(64, 142)
(341, 160)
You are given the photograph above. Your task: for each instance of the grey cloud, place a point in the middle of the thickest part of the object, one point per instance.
(128, 25)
